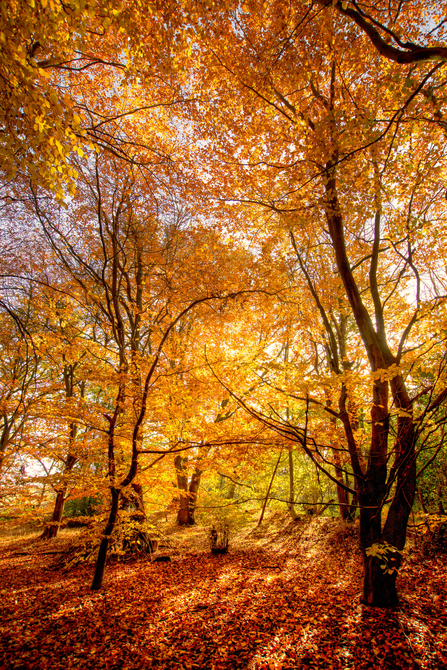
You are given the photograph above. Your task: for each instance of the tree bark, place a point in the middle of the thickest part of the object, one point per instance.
(183, 514)
(103, 547)
(290, 504)
(268, 491)
(379, 587)
(375, 484)
(187, 494)
(52, 528)
(342, 494)
(193, 492)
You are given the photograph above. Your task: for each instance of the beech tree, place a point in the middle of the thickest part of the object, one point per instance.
(73, 390)
(136, 268)
(312, 133)
(347, 162)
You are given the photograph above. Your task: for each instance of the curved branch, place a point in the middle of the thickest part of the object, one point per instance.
(413, 53)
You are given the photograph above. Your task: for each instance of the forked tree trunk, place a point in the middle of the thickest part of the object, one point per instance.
(376, 483)
(187, 494)
(379, 585)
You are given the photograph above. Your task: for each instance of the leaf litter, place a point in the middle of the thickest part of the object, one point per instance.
(286, 596)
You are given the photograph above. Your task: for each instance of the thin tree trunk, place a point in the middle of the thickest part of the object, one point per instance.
(4, 439)
(183, 514)
(354, 502)
(52, 528)
(268, 491)
(290, 504)
(193, 492)
(103, 547)
(441, 510)
(342, 494)
(421, 500)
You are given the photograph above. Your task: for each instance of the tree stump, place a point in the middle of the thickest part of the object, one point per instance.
(219, 539)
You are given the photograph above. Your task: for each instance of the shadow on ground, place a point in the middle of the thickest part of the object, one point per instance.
(295, 604)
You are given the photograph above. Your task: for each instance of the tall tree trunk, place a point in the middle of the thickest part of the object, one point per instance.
(52, 528)
(290, 504)
(193, 492)
(421, 500)
(103, 547)
(268, 491)
(376, 483)
(187, 494)
(353, 506)
(342, 494)
(183, 514)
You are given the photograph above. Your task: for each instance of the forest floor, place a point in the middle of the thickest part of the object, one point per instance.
(286, 595)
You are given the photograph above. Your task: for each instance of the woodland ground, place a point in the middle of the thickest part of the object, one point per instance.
(285, 596)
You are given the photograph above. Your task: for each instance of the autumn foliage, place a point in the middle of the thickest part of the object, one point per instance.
(223, 283)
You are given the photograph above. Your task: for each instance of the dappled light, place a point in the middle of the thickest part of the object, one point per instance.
(293, 606)
(223, 334)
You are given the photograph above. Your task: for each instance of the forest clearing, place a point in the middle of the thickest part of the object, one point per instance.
(286, 596)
